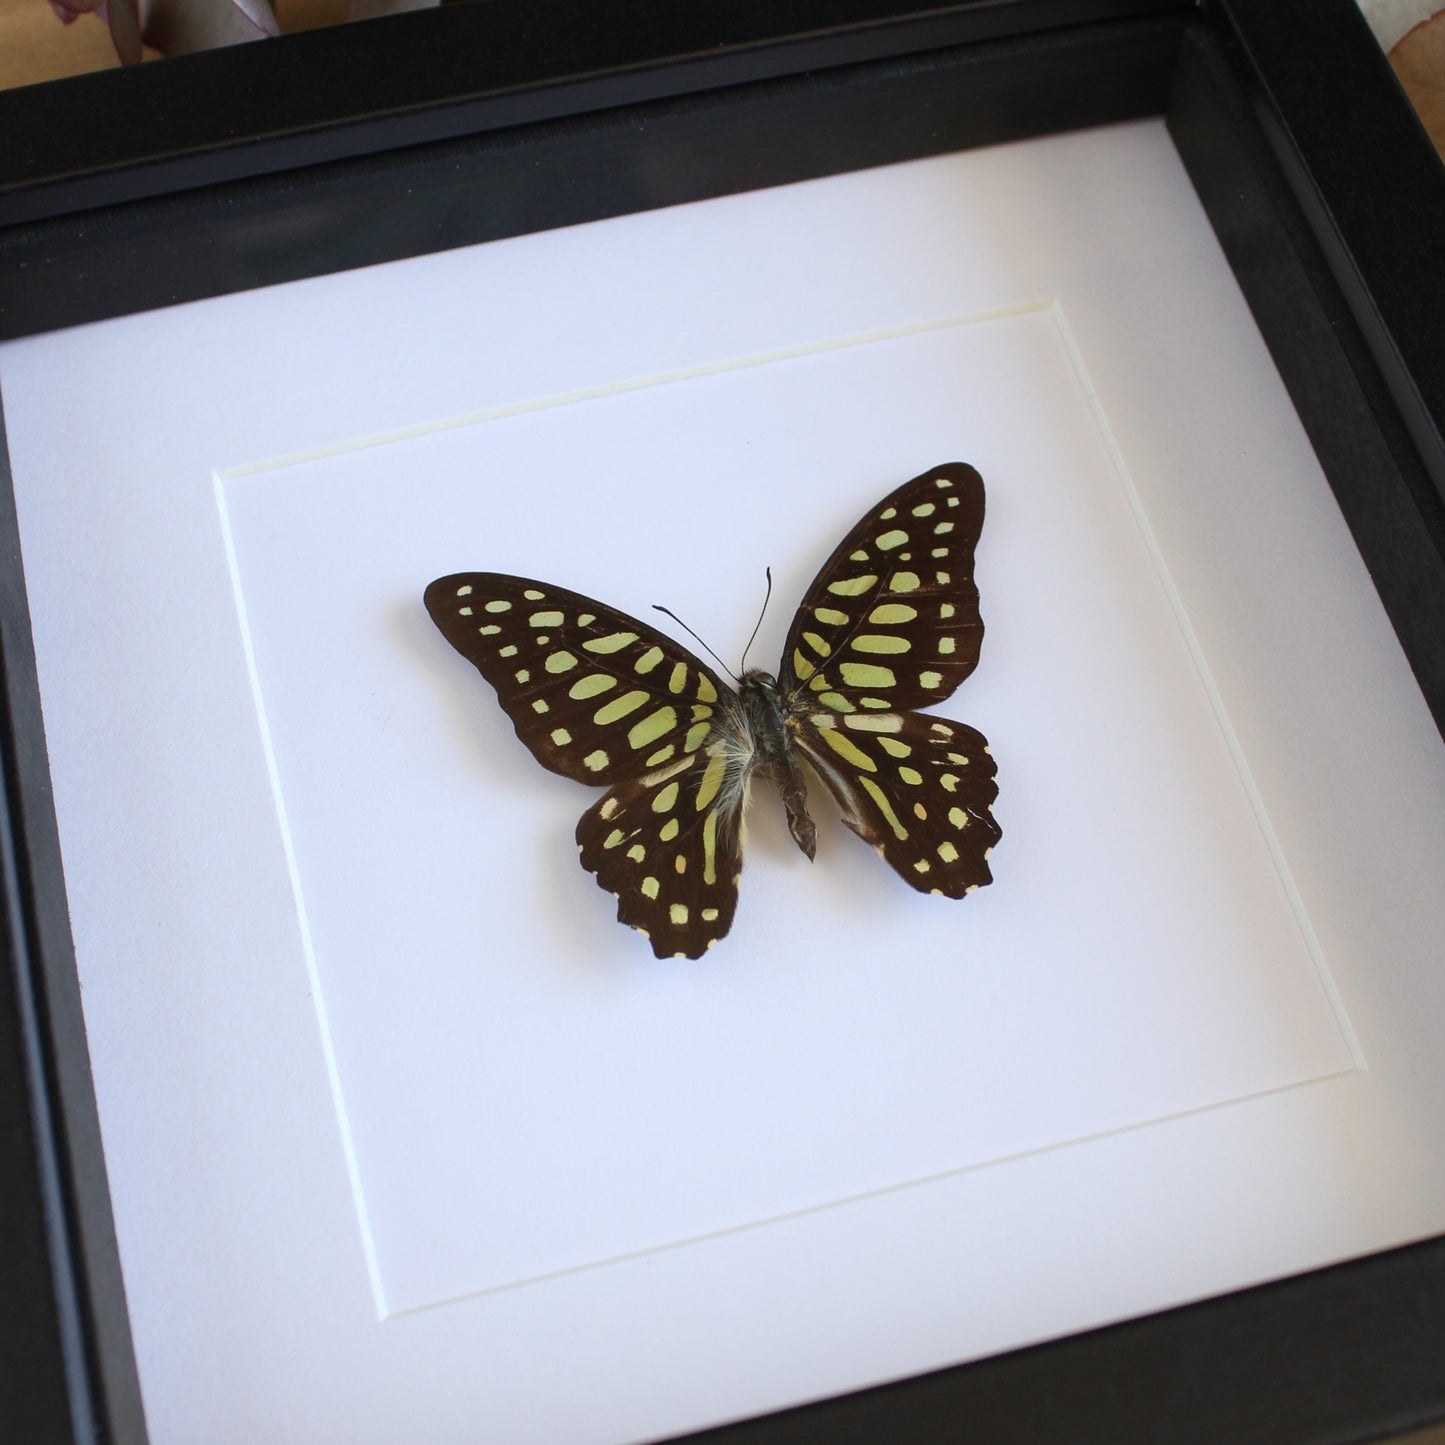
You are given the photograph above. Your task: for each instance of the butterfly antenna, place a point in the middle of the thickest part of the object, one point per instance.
(767, 597)
(667, 611)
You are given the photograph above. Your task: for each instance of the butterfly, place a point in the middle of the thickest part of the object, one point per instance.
(891, 623)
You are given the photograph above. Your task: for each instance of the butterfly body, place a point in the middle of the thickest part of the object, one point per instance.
(890, 624)
(770, 728)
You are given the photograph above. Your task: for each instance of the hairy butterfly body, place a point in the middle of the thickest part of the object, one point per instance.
(890, 624)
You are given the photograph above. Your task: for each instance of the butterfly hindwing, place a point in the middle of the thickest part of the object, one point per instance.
(669, 847)
(917, 788)
(595, 694)
(891, 621)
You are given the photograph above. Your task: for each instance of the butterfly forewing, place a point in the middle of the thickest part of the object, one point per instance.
(892, 621)
(668, 847)
(595, 694)
(917, 788)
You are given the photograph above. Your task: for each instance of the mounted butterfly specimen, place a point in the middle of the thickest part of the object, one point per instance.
(890, 624)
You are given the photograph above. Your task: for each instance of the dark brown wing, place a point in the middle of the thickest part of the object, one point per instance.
(668, 847)
(595, 694)
(891, 621)
(917, 788)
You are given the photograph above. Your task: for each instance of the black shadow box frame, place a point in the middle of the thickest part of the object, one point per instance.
(125, 191)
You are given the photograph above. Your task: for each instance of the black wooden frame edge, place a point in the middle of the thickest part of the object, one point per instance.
(1385, 215)
(1369, 1293)
(65, 1332)
(1381, 440)
(1376, 352)
(310, 98)
(252, 232)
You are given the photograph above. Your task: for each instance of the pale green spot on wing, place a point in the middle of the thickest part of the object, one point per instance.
(892, 614)
(652, 727)
(709, 848)
(861, 724)
(613, 642)
(849, 751)
(618, 708)
(592, 684)
(712, 780)
(877, 642)
(866, 674)
(884, 807)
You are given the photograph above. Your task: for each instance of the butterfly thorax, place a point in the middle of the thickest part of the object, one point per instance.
(774, 753)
